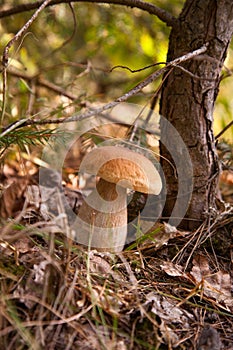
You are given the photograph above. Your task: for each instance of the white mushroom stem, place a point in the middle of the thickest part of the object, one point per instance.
(111, 216)
(102, 219)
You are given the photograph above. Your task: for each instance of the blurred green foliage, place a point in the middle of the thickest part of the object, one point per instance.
(223, 113)
(73, 47)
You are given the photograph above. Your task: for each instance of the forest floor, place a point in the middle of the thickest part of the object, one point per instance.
(172, 290)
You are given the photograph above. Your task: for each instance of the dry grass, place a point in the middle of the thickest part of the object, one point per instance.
(159, 293)
(56, 294)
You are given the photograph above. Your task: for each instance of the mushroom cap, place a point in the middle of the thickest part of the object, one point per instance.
(124, 167)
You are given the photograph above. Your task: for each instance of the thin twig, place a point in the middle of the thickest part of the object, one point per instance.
(21, 32)
(137, 70)
(112, 104)
(40, 81)
(5, 56)
(127, 95)
(224, 130)
(194, 76)
(163, 15)
(4, 89)
(155, 98)
(67, 41)
(53, 87)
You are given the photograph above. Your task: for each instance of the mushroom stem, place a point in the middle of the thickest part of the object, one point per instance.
(111, 216)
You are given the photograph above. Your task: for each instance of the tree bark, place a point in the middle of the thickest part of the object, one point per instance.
(188, 103)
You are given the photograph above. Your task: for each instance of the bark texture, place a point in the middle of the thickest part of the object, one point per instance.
(188, 102)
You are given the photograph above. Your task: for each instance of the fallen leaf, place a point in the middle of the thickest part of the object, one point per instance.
(215, 285)
(172, 269)
(12, 199)
(167, 310)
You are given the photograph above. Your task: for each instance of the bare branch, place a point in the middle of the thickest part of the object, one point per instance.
(136, 70)
(40, 81)
(22, 31)
(5, 55)
(47, 84)
(126, 96)
(163, 15)
(156, 64)
(67, 41)
(229, 125)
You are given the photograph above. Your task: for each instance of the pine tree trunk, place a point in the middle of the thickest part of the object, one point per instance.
(188, 103)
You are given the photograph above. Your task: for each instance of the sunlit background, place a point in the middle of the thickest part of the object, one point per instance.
(73, 47)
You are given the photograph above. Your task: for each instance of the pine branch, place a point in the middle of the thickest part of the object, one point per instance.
(26, 136)
(152, 9)
(31, 136)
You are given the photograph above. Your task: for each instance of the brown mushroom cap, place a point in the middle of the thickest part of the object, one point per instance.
(122, 166)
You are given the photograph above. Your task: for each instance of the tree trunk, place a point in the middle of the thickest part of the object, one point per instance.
(188, 103)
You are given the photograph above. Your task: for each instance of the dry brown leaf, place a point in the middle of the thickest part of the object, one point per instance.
(23, 245)
(166, 309)
(45, 195)
(215, 285)
(108, 301)
(12, 199)
(157, 236)
(173, 269)
(100, 265)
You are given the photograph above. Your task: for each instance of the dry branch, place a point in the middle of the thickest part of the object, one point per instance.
(19, 34)
(127, 95)
(5, 56)
(163, 15)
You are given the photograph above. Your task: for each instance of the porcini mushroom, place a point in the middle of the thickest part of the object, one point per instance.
(103, 215)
